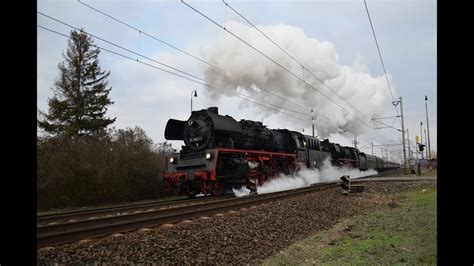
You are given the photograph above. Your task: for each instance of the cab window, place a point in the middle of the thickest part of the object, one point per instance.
(302, 142)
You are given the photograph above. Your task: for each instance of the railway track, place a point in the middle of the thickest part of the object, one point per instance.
(117, 210)
(65, 216)
(76, 225)
(394, 179)
(58, 233)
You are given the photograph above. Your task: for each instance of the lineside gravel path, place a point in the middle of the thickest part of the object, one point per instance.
(243, 237)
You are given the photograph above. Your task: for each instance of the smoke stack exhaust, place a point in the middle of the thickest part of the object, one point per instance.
(248, 72)
(214, 110)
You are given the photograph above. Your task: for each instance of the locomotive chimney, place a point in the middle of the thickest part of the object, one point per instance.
(213, 110)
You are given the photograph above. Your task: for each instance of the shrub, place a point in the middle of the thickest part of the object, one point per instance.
(109, 167)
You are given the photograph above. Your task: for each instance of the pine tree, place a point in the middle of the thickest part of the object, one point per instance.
(81, 95)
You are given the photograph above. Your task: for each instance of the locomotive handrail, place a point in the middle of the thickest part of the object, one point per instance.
(257, 152)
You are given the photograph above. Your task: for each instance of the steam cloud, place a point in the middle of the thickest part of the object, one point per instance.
(306, 177)
(248, 72)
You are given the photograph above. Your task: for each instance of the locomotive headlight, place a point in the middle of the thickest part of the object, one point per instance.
(172, 160)
(208, 155)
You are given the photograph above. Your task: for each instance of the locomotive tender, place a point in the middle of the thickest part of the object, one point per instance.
(221, 153)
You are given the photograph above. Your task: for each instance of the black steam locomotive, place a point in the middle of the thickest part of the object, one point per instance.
(221, 154)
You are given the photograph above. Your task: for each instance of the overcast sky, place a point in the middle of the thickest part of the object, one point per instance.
(147, 97)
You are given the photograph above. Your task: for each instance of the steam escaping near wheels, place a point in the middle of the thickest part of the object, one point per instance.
(243, 191)
(306, 177)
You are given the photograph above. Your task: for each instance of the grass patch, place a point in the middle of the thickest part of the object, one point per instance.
(402, 232)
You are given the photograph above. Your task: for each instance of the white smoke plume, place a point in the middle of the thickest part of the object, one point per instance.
(306, 177)
(248, 72)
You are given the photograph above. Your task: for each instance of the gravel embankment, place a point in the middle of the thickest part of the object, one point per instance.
(243, 237)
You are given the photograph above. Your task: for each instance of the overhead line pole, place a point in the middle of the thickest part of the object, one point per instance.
(409, 149)
(428, 127)
(395, 103)
(421, 139)
(403, 138)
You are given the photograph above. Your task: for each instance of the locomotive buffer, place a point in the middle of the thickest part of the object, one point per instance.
(347, 187)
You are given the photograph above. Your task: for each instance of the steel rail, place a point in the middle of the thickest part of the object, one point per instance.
(67, 232)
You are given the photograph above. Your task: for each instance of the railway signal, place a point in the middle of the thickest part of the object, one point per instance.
(346, 184)
(347, 187)
(421, 147)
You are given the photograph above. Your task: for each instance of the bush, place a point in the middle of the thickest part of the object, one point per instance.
(110, 167)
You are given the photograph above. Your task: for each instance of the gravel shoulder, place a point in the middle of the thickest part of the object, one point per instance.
(246, 236)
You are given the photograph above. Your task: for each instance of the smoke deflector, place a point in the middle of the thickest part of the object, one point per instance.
(174, 130)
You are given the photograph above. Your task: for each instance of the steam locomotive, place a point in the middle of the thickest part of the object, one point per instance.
(220, 154)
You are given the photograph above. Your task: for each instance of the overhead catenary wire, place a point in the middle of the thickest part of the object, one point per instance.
(380, 54)
(149, 35)
(293, 58)
(184, 52)
(119, 46)
(272, 60)
(206, 62)
(207, 85)
(284, 68)
(181, 76)
(181, 71)
(301, 65)
(378, 49)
